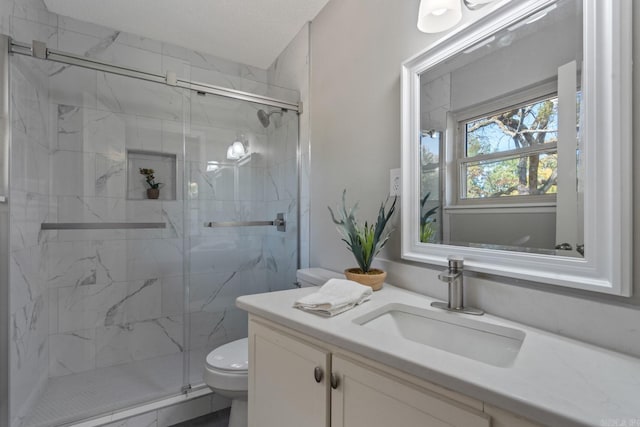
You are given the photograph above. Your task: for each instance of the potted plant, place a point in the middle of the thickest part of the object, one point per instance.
(153, 192)
(364, 241)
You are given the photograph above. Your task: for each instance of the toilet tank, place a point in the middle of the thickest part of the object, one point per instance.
(315, 276)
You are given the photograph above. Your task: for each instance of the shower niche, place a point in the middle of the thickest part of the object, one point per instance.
(164, 166)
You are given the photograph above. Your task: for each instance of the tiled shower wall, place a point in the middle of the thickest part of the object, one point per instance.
(225, 263)
(108, 302)
(281, 195)
(29, 206)
(291, 69)
(87, 299)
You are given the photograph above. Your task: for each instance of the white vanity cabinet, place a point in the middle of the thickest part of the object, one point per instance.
(365, 397)
(288, 384)
(286, 391)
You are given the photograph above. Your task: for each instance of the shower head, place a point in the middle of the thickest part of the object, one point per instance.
(264, 117)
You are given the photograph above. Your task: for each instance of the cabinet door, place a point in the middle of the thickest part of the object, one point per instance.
(502, 418)
(285, 389)
(366, 398)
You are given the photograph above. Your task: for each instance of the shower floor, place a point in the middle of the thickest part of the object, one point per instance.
(104, 390)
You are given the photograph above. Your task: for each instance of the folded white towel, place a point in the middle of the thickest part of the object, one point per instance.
(335, 297)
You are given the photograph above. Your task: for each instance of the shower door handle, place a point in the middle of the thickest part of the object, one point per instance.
(4, 118)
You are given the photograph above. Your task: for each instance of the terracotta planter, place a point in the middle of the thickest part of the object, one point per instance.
(153, 193)
(374, 278)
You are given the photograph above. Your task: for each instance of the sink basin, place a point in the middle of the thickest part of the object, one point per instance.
(492, 344)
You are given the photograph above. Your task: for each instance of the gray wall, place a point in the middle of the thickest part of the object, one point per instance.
(357, 47)
(526, 229)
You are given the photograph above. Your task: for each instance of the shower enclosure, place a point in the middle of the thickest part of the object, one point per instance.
(114, 299)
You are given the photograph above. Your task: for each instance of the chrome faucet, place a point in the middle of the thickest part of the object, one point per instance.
(453, 276)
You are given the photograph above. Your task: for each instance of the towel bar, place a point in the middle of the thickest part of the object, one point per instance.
(100, 225)
(279, 222)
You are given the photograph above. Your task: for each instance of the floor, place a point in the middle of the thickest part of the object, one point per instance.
(104, 390)
(216, 419)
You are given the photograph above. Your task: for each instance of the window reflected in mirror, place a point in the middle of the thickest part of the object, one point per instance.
(511, 153)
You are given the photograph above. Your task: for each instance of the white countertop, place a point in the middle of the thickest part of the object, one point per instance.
(554, 380)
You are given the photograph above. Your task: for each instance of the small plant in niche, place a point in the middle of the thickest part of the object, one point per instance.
(153, 192)
(364, 242)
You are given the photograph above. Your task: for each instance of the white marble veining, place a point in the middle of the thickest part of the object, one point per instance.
(71, 352)
(28, 211)
(435, 102)
(108, 305)
(553, 380)
(291, 69)
(123, 343)
(29, 296)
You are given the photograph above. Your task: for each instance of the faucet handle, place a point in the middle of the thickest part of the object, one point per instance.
(448, 276)
(456, 262)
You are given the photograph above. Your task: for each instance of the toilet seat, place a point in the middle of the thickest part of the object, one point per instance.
(227, 367)
(231, 357)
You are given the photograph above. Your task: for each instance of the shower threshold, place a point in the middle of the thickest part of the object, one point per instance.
(77, 397)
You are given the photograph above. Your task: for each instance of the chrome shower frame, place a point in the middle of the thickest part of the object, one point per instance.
(39, 50)
(5, 129)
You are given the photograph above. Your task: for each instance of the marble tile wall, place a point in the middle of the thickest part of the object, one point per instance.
(82, 300)
(224, 263)
(291, 70)
(29, 206)
(281, 194)
(106, 286)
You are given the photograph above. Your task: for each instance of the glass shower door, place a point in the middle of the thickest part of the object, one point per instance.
(97, 277)
(242, 168)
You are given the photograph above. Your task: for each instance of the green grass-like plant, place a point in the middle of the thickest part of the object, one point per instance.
(426, 222)
(365, 242)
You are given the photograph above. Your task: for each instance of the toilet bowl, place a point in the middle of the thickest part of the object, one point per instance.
(227, 367)
(226, 373)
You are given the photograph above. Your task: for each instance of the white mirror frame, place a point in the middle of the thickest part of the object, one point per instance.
(607, 137)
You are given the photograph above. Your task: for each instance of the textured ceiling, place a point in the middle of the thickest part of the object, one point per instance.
(252, 32)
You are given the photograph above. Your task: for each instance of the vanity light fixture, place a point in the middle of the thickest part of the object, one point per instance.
(435, 16)
(438, 15)
(237, 150)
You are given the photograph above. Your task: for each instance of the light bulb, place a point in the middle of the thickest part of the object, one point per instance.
(238, 149)
(230, 153)
(435, 16)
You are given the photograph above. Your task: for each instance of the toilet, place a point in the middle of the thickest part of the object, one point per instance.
(227, 374)
(227, 367)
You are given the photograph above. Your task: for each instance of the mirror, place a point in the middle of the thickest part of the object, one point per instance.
(499, 139)
(511, 156)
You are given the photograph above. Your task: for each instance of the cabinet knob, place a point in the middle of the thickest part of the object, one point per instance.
(318, 374)
(335, 381)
